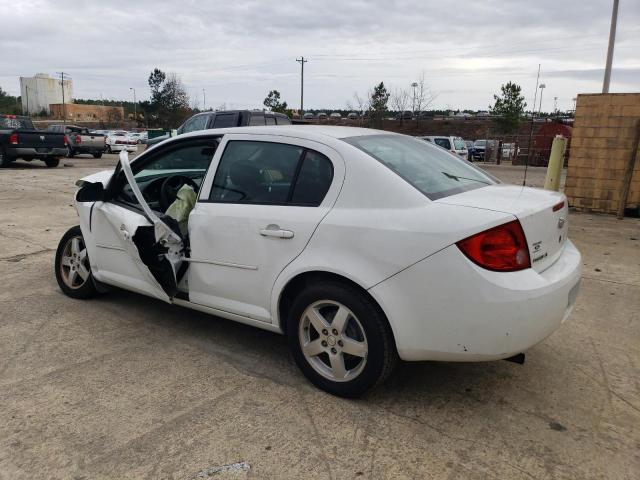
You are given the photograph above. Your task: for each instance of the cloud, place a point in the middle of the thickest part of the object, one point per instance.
(240, 50)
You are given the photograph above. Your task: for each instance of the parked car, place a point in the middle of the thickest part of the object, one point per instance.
(470, 149)
(509, 150)
(429, 259)
(322, 116)
(335, 116)
(80, 140)
(309, 116)
(352, 116)
(226, 119)
(406, 115)
(455, 145)
(480, 147)
(139, 137)
(19, 138)
(119, 140)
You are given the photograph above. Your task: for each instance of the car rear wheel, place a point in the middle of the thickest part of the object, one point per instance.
(340, 339)
(52, 162)
(108, 149)
(72, 267)
(5, 160)
(97, 155)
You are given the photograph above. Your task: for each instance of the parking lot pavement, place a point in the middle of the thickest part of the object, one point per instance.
(124, 387)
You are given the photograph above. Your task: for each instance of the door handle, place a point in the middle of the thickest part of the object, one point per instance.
(275, 231)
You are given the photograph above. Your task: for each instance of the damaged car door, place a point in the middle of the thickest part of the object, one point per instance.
(137, 245)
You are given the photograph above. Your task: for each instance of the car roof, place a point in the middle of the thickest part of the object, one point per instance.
(305, 131)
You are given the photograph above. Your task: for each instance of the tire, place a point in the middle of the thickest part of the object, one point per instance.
(5, 160)
(371, 355)
(71, 264)
(52, 162)
(97, 154)
(108, 149)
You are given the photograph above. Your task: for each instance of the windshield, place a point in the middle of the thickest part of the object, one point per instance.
(431, 170)
(481, 143)
(16, 123)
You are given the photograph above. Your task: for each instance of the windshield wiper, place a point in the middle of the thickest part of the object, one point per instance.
(457, 178)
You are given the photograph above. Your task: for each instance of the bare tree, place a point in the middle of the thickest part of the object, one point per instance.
(400, 101)
(360, 105)
(424, 96)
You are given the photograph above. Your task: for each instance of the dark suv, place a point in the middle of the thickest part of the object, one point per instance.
(225, 119)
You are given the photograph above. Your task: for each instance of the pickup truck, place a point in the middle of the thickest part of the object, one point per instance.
(20, 139)
(80, 140)
(225, 119)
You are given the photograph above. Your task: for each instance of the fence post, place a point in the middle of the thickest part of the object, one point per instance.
(556, 161)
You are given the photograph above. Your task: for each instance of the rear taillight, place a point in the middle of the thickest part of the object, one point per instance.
(502, 248)
(13, 139)
(65, 140)
(78, 139)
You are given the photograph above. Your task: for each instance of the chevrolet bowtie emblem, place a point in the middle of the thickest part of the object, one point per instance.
(42, 137)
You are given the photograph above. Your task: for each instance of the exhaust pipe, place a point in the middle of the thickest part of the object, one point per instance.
(519, 359)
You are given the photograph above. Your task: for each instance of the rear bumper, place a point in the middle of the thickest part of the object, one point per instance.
(38, 153)
(88, 149)
(447, 308)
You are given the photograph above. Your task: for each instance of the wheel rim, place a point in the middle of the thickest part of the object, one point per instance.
(333, 341)
(74, 263)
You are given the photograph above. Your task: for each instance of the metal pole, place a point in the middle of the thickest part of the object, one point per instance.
(26, 91)
(302, 61)
(204, 100)
(612, 41)
(64, 109)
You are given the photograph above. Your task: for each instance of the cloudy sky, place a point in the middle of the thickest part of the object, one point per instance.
(238, 50)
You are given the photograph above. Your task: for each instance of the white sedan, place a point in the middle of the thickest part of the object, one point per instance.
(119, 140)
(361, 246)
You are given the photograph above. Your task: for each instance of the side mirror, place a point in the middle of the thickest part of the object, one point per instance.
(90, 192)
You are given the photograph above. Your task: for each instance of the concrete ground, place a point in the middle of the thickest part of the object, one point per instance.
(126, 387)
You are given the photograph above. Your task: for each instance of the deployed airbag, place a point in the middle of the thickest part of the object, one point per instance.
(180, 209)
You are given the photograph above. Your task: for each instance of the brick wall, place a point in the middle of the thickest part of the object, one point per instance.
(601, 145)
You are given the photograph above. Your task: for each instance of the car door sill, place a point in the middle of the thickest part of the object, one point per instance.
(227, 315)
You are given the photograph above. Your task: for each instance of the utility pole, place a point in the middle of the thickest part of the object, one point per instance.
(135, 110)
(26, 94)
(302, 61)
(612, 41)
(204, 101)
(64, 108)
(555, 104)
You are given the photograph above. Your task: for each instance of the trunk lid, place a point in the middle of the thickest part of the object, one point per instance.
(542, 214)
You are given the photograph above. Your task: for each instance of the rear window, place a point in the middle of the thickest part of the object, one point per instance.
(16, 123)
(429, 169)
(442, 142)
(224, 120)
(459, 144)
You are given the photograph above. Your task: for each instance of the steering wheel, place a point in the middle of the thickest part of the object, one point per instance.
(170, 187)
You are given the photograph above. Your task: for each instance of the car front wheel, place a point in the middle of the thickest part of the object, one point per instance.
(72, 267)
(340, 339)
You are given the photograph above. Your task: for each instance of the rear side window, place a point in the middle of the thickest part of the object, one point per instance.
(224, 120)
(281, 120)
(270, 120)
(443, 142)
(313, 180)
(271, 173)
(256, 119)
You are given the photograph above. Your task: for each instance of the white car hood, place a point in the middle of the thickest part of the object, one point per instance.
(102, 177)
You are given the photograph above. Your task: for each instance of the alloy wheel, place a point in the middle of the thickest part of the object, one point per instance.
(333, 341)
(74, 263)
